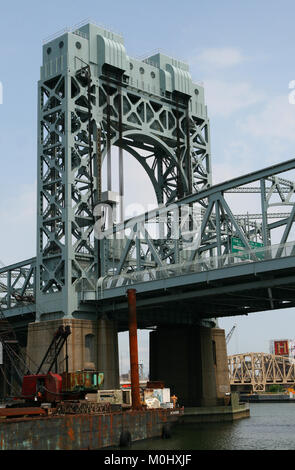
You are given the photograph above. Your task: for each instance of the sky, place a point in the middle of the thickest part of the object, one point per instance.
(243, 52)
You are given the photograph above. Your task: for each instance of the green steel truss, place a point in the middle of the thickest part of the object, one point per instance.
(204, 235)
(93, 96)
(141, 258)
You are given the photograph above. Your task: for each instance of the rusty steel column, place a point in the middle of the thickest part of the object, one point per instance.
(133, 348)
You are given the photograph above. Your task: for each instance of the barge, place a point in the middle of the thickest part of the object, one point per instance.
(267, 398)
(89, 431)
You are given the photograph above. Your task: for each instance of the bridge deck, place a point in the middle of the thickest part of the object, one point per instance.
(190, 292)
(251, 286)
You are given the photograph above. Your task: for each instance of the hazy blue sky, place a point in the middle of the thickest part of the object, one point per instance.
(242, 51)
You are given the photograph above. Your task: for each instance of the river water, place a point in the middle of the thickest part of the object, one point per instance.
(271, 426)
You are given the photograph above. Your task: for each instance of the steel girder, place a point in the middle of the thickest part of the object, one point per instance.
(191, 295)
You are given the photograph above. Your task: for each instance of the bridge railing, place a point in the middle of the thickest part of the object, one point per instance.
(200, 265)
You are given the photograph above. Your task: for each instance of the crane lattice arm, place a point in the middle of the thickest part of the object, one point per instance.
(229, 335)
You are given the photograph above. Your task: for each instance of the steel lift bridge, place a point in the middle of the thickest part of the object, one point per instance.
(256, 372)
(195, 258)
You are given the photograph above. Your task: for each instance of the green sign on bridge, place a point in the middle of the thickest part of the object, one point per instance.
(237, 246)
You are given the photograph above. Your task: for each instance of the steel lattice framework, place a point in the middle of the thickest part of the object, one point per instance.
(258, 370)
(198, 230)
(93, 96)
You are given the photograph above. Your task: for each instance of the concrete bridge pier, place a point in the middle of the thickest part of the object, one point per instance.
(91, 345)
(108, 353)
(192, 362)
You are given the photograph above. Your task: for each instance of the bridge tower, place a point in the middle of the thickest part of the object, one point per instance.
(93, 96)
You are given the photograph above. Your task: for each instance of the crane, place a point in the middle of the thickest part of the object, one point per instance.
(64, 391)
(55, 347)
(229, 335)
(13, 354)
(37, 387)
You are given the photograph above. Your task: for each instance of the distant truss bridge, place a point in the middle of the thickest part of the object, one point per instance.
(256, 371)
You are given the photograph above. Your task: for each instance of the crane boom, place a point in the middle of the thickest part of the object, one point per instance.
(229, 335)
(55, 346)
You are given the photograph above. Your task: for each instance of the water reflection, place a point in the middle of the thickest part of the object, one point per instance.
(271, 426)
